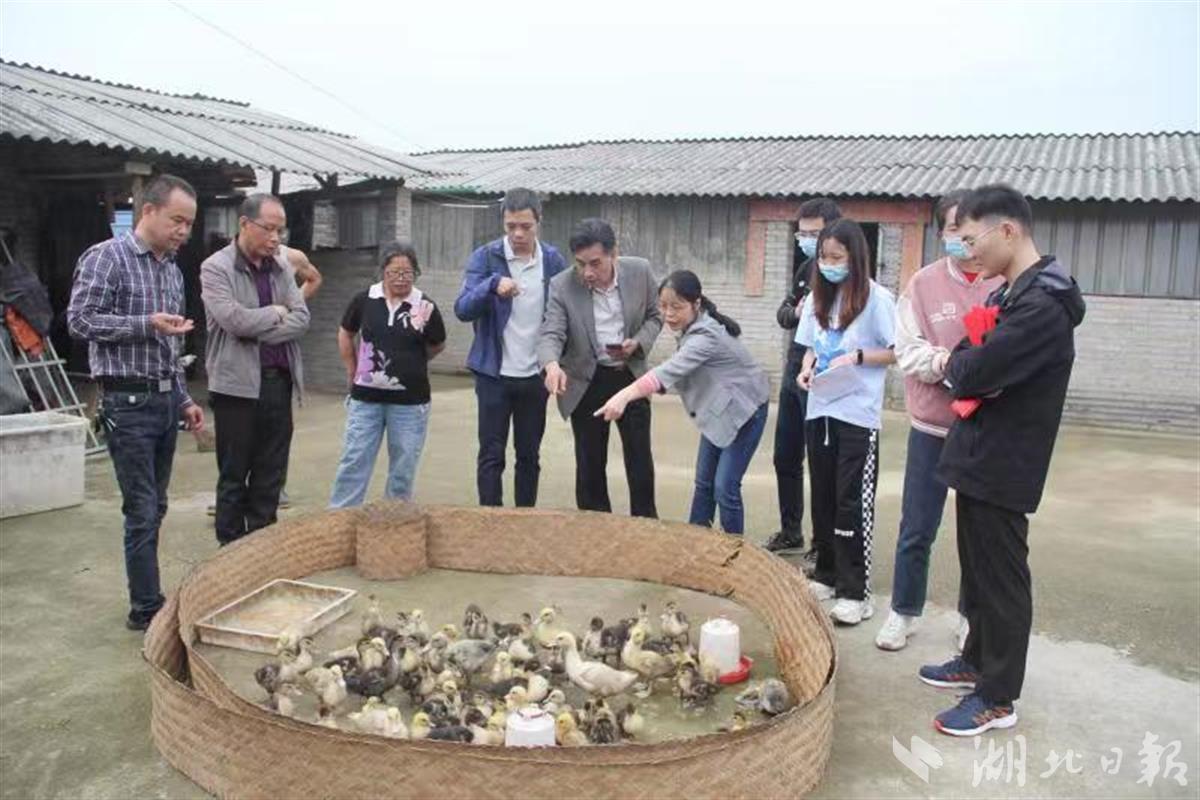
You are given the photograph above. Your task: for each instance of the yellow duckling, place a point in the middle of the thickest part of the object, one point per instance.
(567, 733)
(420, 727)
(502, 670)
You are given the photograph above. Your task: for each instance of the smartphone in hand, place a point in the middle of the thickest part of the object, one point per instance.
(615, 350)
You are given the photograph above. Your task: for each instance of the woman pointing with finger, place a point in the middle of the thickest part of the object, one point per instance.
(723, 389)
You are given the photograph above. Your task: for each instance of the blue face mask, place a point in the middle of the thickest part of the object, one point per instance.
(808, 245)
(955, 248)
(834, 273)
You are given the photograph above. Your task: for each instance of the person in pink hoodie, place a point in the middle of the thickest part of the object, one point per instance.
(928, 326)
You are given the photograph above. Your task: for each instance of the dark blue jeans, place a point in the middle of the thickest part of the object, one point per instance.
(719, 472)
(142, 427)
(920, 516)
(520, 402)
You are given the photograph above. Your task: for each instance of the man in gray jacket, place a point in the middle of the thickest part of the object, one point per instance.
(256, 315)
(601, 322)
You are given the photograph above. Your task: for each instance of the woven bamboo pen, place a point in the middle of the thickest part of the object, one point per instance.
(236, 749)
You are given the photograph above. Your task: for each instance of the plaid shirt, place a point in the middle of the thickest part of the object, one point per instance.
(118, 284)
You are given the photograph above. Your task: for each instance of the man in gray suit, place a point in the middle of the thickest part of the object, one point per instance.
(601, 322)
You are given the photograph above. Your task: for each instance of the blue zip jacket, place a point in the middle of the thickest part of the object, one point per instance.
(488, 312)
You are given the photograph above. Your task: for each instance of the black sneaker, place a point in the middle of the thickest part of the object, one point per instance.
(785, 542)
(136, 624)
(808, 562)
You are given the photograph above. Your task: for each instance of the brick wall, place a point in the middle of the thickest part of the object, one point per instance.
(1136, 365)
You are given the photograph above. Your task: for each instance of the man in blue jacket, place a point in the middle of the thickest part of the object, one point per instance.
(504, 294)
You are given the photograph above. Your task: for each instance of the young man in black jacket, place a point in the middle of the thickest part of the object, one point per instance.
(813, 216)
(996, 457)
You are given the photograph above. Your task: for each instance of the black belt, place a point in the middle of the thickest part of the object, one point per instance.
(153, 386)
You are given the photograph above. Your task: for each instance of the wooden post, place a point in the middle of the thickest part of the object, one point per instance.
(275, 182)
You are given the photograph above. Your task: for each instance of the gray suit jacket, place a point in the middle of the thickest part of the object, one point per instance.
(568, 333)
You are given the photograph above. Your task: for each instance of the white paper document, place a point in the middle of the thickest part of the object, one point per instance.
(837, 382)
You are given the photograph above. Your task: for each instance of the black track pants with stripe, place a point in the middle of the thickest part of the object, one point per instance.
(843, 468)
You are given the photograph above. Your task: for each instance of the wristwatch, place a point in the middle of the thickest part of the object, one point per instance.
(859, 356)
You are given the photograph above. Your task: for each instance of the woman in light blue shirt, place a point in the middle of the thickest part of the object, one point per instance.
(848, 325)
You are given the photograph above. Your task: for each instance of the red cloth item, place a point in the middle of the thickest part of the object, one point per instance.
(979, 321)
(22, 332)
(970, 276)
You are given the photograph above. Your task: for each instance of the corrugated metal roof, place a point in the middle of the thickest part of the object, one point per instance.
(1143, 167)
(41, 105)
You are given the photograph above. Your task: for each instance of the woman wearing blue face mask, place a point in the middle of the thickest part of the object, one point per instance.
(847, 325)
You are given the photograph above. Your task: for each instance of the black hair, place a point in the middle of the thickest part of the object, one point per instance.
(686, 284)
(520, 199)
(592, 231)
(997, 200)
(158, 191)
(819, 208)
(858, 285)
(251, 207)
(946, 202)
(401, 248)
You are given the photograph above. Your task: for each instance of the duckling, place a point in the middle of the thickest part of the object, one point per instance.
(647, 663)
(438, 710)
(520, 650)
(693, 690)
(516, 699)
(537, 686)
(642, 622)
(294, 664)
(470, 655)
(545, 630)
(289, 639)
(613, 638)
(372, 653)
(267, 676)
(452, 733)
(283, 700)
(451, 632)
(592, 676)
(330, 687)
(453, 697)
(395, 727)
(502, 670)
(410, 658)
(630, 722)
(420, 726)
(554, 702)
(436, 651)
(675, 623)
(483, 703)
(603, 728)
(567, 733)
(496, 730)
(592, 645)
(770, 697)
(413, 624)
(368, 682)
(556, 661)
(371, 718)
(709, 670)
(738, 723)
(475, 623)
(372, 617)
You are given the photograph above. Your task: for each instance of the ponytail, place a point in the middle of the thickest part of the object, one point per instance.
(686, 285)
(728, 323)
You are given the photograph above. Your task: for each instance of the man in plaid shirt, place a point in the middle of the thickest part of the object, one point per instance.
(127, 302)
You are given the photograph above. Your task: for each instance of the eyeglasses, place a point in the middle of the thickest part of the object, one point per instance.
(406, 275)
(280, 232)
(971, 241)
(800, 235)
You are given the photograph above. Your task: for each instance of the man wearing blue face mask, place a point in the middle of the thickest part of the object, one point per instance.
(813, 216)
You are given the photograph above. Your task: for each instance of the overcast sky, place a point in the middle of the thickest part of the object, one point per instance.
(452, 74)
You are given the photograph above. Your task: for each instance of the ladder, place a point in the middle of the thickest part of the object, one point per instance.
(48, 375)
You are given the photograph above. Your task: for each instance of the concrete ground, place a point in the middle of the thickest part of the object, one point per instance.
(1115, 658)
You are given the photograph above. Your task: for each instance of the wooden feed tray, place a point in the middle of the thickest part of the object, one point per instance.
(256, 621)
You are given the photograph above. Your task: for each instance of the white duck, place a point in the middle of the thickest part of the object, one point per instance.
(592, 676)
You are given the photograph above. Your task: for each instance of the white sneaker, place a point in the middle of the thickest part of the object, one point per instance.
(822, 591)
(851, 612)
(960, 635)
(895, 632)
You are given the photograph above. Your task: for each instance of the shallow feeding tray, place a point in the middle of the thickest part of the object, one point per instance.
(257, 620)
(236, 748)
